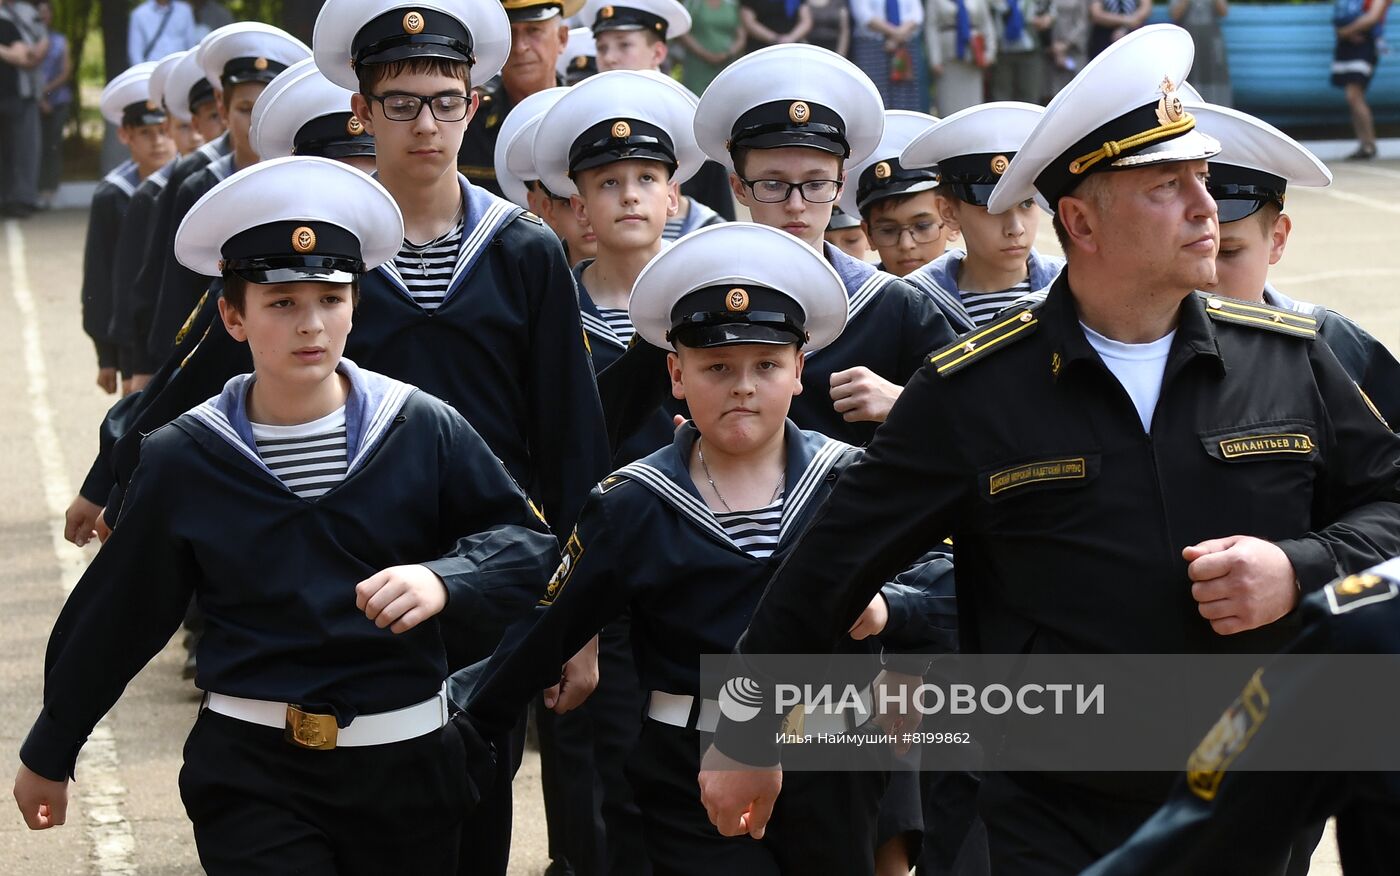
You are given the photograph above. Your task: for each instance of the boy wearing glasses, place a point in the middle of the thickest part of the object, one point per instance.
(1249, 180)
(786, 120)
(971, 149)
(897, 208)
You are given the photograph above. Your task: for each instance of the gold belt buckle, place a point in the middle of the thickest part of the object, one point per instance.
(307, 730)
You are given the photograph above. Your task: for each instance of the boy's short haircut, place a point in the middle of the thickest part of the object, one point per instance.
(236, 291)
(370, 75)
(1267, 216)
(869, 210)
(225, 95)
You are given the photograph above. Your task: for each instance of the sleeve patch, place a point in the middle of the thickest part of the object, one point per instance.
(573, 550)
(1354, 591)
(1206, 767)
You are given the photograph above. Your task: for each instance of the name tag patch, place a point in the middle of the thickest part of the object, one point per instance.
(1073, 468)
(1259, 445)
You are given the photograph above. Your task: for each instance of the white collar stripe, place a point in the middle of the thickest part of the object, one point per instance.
(682, 501)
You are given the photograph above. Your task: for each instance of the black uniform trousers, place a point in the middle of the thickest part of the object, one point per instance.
(616, 708)
(1041, 826)
(823, 822)
(261, 805)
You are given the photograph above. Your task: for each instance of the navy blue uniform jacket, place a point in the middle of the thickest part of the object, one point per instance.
(647, 542)
(275, 574)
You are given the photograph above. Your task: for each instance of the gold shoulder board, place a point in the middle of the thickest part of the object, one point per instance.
(1261, 316)
(979, 343)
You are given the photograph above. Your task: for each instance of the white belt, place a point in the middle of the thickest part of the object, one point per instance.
(679, 710)
(320, 731)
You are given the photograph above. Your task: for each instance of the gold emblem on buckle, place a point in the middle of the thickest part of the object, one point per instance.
(306, 730)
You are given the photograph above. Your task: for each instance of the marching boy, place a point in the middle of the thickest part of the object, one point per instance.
(685, 538)
(619, 145)
(323, 516)
(142, 130)
(896, 205)
(1249, 180)
(971, 149)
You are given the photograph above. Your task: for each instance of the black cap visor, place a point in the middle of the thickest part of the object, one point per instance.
(729, 334)
(297, 269)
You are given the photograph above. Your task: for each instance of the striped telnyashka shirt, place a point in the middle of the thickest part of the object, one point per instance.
(310, 458)
(619, 321)
(755, 532)
(427, 270)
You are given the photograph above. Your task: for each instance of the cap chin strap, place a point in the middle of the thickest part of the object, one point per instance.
(1114, 148)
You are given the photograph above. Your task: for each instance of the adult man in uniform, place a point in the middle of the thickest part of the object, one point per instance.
(1089, 457)
(538, 35)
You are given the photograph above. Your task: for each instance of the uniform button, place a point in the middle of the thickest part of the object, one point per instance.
(1215, 303)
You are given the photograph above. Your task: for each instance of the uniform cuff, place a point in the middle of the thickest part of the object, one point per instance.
(97, 486)
(49, 751)
(1312, 561)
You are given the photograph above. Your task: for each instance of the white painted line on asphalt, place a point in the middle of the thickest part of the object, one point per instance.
(1362, 200)
(1367, 170)
(1342, 274)
(101, 789)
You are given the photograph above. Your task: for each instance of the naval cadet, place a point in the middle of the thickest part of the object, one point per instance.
(634, 35)
(140, 122)
(538, 35)
(325, 727)
(131, 240)
(786, 120)
(1129, 467)
(242, 58)
(1249, 179)
(685, 538)
(972, 149)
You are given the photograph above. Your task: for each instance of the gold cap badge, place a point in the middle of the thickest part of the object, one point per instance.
(882, 170)
(303, 239)
(354, 127)
(799, 112)
(605, 12)
(413, 22)
(580, 62)
(1169, 109)
(737, 301)
(621, 130)
(151, 105)
(260, 64)
(999, 165)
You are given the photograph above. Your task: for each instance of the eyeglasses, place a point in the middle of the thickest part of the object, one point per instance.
(776, 191)
(923, 231)
(399, 107)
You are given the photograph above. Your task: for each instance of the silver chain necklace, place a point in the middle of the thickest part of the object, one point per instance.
(700, 450)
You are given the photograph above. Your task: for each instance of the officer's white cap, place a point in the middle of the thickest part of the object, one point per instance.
(248, 51)
(350, 32)
(790, 95)
(667, 19)
(304, 113)
(127, 98)
(623, 114)
(186, 81)
(1121, 111)
(883, 173)
(734, 274)
(581, 45)
(515, 144)
(291, 214)
(973, 147)
(540, 10)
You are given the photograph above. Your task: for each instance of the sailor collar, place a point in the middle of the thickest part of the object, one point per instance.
(485, 215)
(370, 407)
(863, 281)
(666, 473)
(590, 315)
